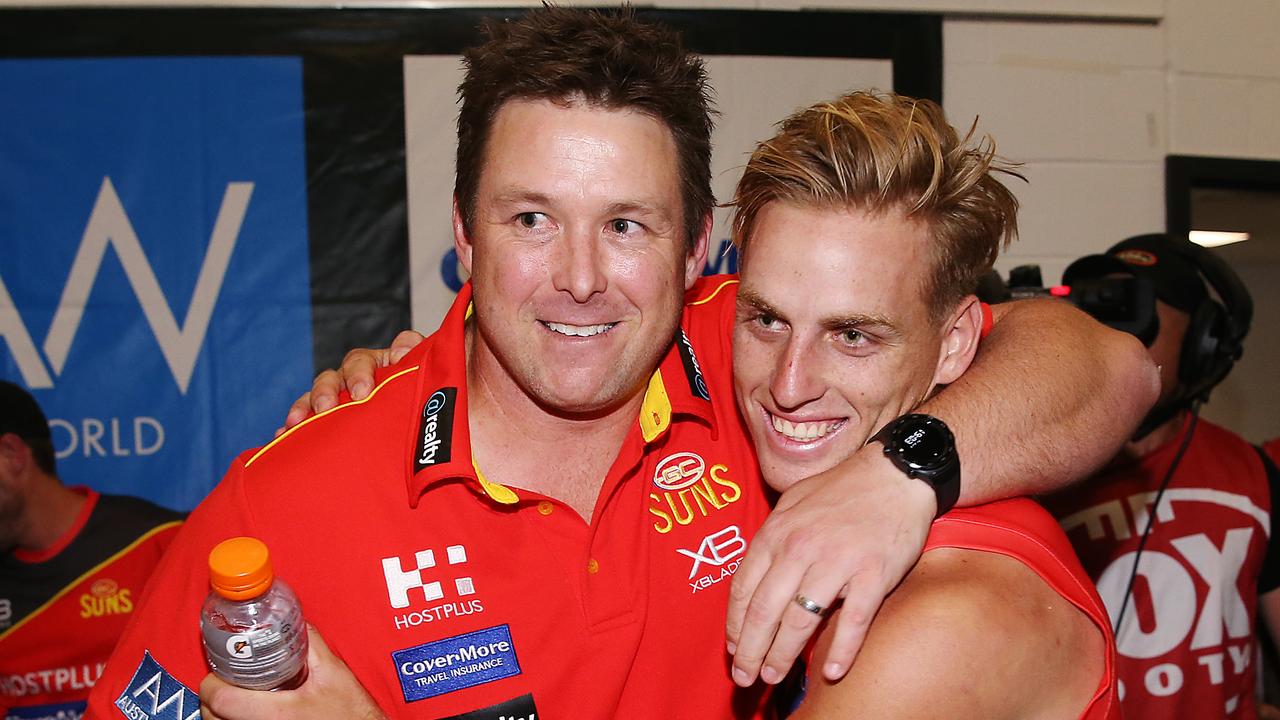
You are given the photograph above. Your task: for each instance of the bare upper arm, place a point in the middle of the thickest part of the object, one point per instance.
(967, 634)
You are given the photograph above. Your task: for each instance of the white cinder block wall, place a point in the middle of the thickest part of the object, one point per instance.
(1090, 94)
(1083, 105)
(1093, 107)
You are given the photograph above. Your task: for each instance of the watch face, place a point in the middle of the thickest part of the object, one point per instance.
(923, 445)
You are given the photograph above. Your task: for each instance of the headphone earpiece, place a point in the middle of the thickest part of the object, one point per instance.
(1216, 332)
(1200, 356)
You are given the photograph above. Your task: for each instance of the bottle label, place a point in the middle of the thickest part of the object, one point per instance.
(261, 656)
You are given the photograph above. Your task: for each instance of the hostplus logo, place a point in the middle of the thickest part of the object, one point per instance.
(418, 581)
(719, 552)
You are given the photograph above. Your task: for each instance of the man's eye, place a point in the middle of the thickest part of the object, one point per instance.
(852, 337)
(622, 227)
(766, 321)
(530, 219)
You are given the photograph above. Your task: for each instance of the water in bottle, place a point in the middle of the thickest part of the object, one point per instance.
(254, 634)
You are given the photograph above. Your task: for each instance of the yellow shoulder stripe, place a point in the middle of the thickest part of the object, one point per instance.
(336, 408)
(83, 577)
(715, 292)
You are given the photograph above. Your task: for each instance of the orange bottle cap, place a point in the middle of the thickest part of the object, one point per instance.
(240, 568)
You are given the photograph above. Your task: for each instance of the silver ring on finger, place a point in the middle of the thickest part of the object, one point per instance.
(810, 606)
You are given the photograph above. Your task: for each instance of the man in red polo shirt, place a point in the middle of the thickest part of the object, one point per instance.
(540, 509)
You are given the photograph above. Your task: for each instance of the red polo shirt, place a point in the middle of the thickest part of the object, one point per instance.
(449, 595)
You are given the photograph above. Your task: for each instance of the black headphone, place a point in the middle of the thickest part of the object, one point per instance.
(1216, 332)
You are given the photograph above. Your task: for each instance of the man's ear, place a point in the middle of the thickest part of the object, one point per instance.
(14, 452)
(461, 243)
(697, 257)
(960, 338)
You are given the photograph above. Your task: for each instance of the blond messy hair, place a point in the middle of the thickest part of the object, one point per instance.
(882, 152)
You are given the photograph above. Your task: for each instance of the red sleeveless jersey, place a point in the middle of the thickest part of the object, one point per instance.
(1024, 531)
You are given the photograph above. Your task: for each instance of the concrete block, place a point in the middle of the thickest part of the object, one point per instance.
(1264, 119)
(1030, 112)
(1122, 116)
(1225, 38)
(1209, 116)
(1083, 46)
(1074, 209)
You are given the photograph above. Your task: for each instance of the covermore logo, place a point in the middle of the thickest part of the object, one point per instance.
(109, 227)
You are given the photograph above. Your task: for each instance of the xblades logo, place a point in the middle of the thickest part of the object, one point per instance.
(109, 226)
(436, 432)
(717, 549)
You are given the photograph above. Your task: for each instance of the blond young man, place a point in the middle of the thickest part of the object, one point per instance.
(863, 227)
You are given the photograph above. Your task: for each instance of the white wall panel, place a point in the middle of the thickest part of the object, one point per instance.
(1264, 119)
(1048, 43)
(1073, 209)
(1209, 116)
(1224, 38)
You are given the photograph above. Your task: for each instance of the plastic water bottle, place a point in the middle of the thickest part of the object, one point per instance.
(254, 634)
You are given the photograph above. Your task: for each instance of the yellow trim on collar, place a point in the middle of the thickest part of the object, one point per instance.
(714, 293)
(655, 411)
(498, 493)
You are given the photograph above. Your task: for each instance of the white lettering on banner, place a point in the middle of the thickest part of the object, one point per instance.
(146, 438)
(109, 226)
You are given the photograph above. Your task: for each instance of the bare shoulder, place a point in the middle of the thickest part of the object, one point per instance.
(968, 634)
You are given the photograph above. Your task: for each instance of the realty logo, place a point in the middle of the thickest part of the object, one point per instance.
(401, 581)
(109, 226)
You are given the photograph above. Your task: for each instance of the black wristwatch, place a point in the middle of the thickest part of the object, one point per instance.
(923, 447)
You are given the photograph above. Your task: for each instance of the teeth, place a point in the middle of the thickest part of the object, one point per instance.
(578, 330)
(803, 431)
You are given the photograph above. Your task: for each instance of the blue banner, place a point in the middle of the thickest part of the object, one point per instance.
(154, 280)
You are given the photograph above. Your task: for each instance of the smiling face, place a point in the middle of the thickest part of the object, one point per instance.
(833, 336)
(577, 254)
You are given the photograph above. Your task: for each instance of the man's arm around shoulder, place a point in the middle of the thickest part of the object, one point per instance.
(967, 634)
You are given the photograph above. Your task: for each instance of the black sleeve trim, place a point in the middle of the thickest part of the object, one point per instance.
(1269, 576)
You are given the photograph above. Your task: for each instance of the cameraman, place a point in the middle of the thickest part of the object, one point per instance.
(1176, 530)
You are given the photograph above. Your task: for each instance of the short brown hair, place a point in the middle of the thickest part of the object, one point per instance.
(879, 152)
(607, 59)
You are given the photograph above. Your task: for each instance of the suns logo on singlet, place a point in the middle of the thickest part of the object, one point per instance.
(105, 597)
(685, 489)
